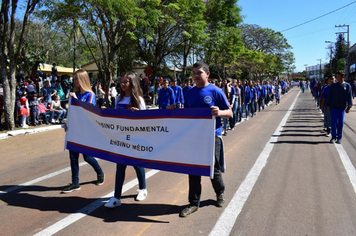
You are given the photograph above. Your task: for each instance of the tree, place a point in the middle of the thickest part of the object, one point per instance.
(277, 56)
(339, 59)
(224, 43)
(10, 52)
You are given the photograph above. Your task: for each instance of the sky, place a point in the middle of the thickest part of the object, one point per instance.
(308, 41)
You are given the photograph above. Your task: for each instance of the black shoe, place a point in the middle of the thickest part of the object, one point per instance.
(100, 180)
(188, 210)
(220, 200)
(339, 141)
(71, 188)
(225, 133)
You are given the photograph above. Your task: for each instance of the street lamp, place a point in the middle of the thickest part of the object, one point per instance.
(331, 53)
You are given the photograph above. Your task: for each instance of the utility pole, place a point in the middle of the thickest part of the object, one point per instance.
(320, 69)
(348, 48)
(305, 70)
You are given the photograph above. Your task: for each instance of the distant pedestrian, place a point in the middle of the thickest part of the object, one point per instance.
(339, 100)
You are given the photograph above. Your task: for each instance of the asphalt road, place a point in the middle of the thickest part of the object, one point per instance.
(283, 178)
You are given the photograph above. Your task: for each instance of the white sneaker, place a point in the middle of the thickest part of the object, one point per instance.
(25, 126)
(113, 202)
(142, 194)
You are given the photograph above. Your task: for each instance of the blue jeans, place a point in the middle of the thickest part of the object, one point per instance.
(327, 120)
(61, 114)
(120, 177)
(233, 119)
(44, 115)
(247, 109)
(252, 107)
(337, 122)
(74, 164)
(241, 112)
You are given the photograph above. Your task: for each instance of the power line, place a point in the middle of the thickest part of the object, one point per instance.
(319, 17)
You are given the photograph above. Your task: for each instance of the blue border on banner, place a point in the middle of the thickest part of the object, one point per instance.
(132, 161)
(188, 113)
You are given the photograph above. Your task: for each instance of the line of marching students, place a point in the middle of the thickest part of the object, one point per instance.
(245, 97)
(333, 98)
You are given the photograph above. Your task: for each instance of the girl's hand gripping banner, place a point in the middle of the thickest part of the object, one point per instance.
(178, 140)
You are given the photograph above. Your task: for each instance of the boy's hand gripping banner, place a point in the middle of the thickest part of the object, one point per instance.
(178, 140)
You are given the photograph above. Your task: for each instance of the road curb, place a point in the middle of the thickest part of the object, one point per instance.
(29, 131)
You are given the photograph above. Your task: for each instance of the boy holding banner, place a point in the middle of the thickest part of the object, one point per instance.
(205, 95)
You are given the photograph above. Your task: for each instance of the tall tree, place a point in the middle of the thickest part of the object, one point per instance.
(224, 43)
(10, 52)
(339, 59)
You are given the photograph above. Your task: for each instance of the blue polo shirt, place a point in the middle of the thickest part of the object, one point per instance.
(205, 98)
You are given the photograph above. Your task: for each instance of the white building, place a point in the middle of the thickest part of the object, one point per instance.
(314, 71)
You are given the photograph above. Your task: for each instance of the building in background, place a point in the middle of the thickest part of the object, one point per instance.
(352, 58)
(314, 71)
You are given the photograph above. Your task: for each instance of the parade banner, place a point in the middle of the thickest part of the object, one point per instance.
(178, 140)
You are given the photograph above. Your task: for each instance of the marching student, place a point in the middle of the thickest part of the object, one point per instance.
(130, 98)
(82, 92)
(206, 95)
(339, 100)
(186, 87)
(178, 94)
(166, 96)
(327, 118)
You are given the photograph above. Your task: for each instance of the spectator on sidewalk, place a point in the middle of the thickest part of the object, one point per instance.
(23, 109)
(47, 93)
(44, 112)
(34, 108)
(339, 100)
(59, 111)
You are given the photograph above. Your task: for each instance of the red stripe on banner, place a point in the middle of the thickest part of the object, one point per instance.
(145, 118)
(139, 159)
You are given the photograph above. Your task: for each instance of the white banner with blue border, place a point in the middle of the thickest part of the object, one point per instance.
(178, 140)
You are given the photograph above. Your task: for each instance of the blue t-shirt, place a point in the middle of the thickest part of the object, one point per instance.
(326, 92)
(166, 98)
(88, 97)
(205, 98)
(47, 92)
(178, 95)
(185, 89)
(248, 94)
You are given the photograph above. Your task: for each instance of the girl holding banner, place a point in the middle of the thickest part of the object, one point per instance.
(130, 98)
(83, 92)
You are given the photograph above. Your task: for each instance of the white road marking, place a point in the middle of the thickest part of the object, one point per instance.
(345, 159)
(88, 209)
(14, 188)
(228, 218)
